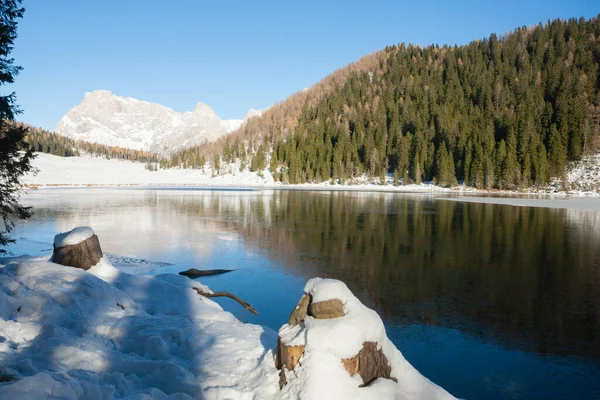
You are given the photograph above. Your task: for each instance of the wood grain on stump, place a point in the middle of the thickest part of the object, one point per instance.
(370, 363)
(287, 356)
(351, 364)
(84, 254)
(327, 309)
(300, 311)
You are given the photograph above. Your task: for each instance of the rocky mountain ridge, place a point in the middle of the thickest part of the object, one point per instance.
(112, 120)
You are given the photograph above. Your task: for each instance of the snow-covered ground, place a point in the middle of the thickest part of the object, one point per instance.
(66, 333)
(88, 170)
(584, 175)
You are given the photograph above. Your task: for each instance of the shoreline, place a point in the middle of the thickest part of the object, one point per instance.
(425, 188)
(89, 171)
(159, 336)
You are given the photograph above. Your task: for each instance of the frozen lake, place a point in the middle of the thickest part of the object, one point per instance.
(490, 298)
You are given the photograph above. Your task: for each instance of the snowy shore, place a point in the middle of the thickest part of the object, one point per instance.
(68, 333)
(100, 334)
(87, 170)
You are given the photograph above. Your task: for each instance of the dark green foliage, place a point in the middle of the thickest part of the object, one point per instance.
(259, 160)
(444, 174)
(504, 112)
(15, 154)
(193, 157)
(49, 142)
(216, 164)
(15, 162)
(499, 112)
(273, 164)
(43, 141)
(6, 377)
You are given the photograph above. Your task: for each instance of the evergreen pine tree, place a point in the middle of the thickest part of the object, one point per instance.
(15, 153)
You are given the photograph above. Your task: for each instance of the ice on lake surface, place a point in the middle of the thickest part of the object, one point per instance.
(571, 203)
(486, 299)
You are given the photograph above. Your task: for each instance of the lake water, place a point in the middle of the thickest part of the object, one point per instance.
(489, 301)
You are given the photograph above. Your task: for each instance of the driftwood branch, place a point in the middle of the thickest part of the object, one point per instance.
(196, 273)
(244, 304)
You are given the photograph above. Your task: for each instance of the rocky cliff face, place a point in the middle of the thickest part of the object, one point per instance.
(105, 118)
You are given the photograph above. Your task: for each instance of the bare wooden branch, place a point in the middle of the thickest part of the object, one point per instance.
(244, 304)
(196, 273)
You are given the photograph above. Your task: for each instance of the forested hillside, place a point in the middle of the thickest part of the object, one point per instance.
(276, 122)
(505, 111)
(49, 142)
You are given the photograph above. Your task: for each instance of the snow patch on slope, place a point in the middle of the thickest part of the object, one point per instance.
(584, 175)
(253, 113)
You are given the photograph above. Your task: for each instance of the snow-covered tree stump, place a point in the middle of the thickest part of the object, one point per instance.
(79, 248)
(287, 355)
(300, 311)
(370, 363)
(303, 331)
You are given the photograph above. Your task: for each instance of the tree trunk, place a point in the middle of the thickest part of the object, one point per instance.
(82, 255)
(287, 356)
(370, 363)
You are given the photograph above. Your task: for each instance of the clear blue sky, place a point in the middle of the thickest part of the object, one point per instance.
(232, 55)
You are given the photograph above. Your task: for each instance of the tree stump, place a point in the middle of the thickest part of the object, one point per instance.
(83, 254)
(370, 363)
(287, 356)
(327, 309)
(301, 310)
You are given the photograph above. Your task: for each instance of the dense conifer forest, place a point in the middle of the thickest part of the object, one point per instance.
(505, 111)
(49, 142)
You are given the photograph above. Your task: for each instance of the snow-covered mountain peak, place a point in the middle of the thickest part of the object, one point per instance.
(253, 113)
(97, 94)
(112, 120)
(202, 108)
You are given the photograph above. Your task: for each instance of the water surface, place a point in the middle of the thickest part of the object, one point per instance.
(491, 301)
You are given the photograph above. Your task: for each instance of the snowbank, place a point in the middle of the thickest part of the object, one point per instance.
(320, 373)
(89, 170)
(70, 334)
(66, 333)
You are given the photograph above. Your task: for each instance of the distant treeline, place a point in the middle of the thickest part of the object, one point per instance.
(505, 111)
(44, 141)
